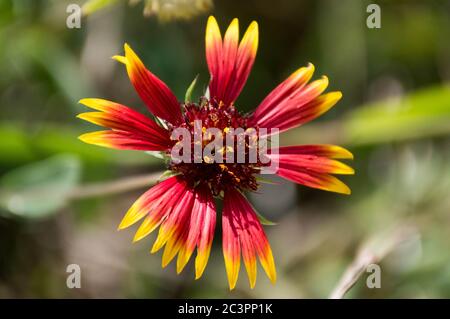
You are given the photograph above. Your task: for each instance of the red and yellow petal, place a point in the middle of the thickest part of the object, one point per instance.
(242, 232)
(231, 248)
(249, 258)
(206, 236)
(186, 218)
(295, 82)
(158, 196)
(312, 166)
(229, 57)
(324, 150)
(229, 61)
(200, 233)
(245, 60)
(315, 163)
(121, 113)
(314, 180)
(294, 102)
(130, 129)
(213, 41)
(119, 140)
(155, 93)
(175, 222)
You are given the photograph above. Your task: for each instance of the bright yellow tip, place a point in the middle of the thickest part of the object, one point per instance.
(147, 226)
(346, 154)
(250, 39)
(337, 95)
(338, 186)
(163, 237)
(234, 24)
(323, 83)
(327, 101)
(96, 138)
(212, 32)
(93, 102)
(268, 264)
(303, 74)
(233, 30)
(212, 22)
(232, 269)
(183, 258)
(120, 59)
(340, 152)
(130, 55)
(251, 268)
(93, 117)
(200, 262)
(170, 251)
(343, 169)
(134, 214)
(97, 104)
(344, 190)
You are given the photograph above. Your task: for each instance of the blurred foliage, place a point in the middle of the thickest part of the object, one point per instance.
(394, 117)
(427, 111)
(39, 189)
(166, 10)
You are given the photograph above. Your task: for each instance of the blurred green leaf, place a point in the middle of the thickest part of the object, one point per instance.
(263, 220)
(19, 145)
(167, 174)
(188, 95)
(264, 180)
(39, 189)
(156, 154)
(421, 114)
(94, 5)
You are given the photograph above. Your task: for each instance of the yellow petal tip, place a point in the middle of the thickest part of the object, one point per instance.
(120, 58)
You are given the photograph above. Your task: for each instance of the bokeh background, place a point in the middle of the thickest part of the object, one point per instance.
(394, 117)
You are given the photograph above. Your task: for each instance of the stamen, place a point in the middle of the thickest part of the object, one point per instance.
(218, 176)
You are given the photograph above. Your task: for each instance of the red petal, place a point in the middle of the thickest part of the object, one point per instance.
(229, 64)
(157, 197)
(121, 140)
(242, 229)
(311, 165)
(294, 103)
(132, 130)
(157, 96)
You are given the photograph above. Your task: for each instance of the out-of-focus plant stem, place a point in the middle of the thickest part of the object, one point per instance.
(114, 187)
(372, 252)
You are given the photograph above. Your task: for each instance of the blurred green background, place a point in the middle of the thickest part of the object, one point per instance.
(394, 117)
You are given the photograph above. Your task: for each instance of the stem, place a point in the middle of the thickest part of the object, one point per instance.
(372, 252)
(114, 187)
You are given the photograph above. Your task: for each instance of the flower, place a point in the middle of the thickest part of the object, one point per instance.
(183, 206)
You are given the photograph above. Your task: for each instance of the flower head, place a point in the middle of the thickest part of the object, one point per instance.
(183, 206)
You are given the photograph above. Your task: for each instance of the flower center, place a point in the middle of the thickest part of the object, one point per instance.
(225, 142)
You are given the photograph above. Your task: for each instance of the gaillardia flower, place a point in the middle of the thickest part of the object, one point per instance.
(183, 205)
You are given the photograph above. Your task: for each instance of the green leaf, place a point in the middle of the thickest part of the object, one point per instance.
(19, 147)
(167, 173)
(421, 114)
(188, 95)
(156, 154)
(94, 5)
(264, 220)
(39, 189)
(264, 180)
